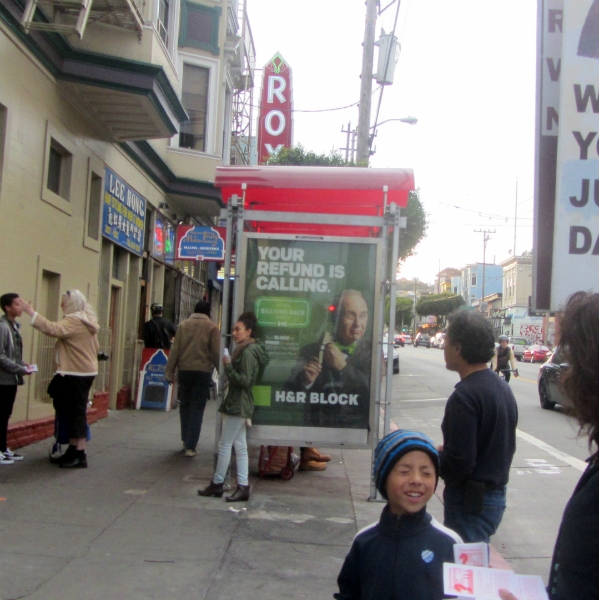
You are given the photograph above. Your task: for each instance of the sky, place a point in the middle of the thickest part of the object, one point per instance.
(466, 71)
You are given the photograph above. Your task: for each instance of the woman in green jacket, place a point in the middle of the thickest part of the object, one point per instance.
(237, 408)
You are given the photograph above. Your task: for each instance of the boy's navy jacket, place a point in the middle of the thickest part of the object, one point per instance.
(398, 558)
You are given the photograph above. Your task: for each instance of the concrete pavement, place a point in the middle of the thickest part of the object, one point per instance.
(132, 526)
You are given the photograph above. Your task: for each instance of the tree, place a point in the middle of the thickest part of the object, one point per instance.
(404, 311)
(417, 223)
(439, 305)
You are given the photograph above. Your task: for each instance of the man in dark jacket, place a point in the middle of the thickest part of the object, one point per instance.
(158, 331)
(194, 354)
(12, 369)
(479, 431)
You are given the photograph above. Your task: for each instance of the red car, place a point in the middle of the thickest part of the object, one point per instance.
(535, 353)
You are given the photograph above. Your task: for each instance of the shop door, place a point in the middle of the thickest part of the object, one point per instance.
(113, 325)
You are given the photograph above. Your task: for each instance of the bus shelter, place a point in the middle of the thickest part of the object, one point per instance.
(315, 254)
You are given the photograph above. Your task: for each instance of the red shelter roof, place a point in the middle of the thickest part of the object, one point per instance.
(329, 190)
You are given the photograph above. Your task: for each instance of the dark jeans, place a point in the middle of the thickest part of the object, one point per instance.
(471, 527)
(194, 391)
(8, 393)
(71, 394)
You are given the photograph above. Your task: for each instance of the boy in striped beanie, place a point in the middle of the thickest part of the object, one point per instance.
(401, 556)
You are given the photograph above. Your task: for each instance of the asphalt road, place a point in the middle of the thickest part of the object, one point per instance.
(548, 461)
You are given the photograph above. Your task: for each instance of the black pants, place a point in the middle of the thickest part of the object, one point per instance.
(8, 393)
(70, 394)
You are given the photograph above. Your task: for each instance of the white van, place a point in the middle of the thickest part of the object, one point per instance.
(517, 344)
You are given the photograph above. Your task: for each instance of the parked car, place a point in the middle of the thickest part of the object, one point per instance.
(399, 340)
(549, 376)
(395, 355)
(535, 353)
(422, 339)
(517, 344)
(438, 340)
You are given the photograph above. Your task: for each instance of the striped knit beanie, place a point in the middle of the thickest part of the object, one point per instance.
(392, 447)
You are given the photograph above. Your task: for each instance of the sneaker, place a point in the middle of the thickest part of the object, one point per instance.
(4, 460)
(190, 452)
(10, 454)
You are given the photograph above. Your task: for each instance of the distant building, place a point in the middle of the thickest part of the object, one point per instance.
(449, 280)
(472, 285)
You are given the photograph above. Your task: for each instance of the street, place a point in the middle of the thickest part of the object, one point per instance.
(548, 461)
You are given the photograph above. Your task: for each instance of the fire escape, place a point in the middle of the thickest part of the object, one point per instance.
(242, 53)
(72, 16)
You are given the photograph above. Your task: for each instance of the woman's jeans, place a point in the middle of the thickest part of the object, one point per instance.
(473, 527)
(233, 434)
(194, 391)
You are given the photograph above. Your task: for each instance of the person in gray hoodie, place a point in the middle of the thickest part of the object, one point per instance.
(12, 369)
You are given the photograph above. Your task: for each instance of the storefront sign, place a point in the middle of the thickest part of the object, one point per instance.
(163, 244)
(275, 126)
(123, 213)
(576, 232)
(315, 305)
(201, 243)
(153, 390)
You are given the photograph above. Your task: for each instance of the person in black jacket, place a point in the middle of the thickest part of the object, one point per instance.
(158, 331)
(479, 431)
(401, 557)
(574, 571)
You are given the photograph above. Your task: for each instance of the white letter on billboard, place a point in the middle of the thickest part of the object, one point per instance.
(272, 150)
(276, 91)
(268, 122)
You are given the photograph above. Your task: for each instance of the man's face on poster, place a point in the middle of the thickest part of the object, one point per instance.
(353, 319)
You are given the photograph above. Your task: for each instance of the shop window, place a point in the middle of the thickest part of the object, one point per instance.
(58, 169)
(199, 27)
(195, 100)
(95, 202)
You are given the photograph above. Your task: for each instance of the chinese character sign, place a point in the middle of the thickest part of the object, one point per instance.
(315, 306)
(123, 213)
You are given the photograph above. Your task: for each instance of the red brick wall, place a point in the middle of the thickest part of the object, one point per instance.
(24, 433)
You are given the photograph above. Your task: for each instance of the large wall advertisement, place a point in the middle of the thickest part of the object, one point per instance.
(315, 303)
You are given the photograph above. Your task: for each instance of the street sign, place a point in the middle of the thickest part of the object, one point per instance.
(201, 243)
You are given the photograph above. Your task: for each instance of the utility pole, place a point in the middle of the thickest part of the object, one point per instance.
(366, 83)
(414, 331)
(486, 238)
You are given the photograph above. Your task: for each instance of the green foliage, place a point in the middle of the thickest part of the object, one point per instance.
(417, 225)
(439, 305)
(298, 155)
(404, 311)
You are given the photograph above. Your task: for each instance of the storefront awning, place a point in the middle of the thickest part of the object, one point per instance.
(326, 190)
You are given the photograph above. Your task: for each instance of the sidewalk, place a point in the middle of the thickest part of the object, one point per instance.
(132, 526)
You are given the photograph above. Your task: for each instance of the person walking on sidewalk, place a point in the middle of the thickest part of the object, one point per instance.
(242, 371)
(503, 359)
(402, 555)
(479, 431)
(12, 370)
(195, 353)
(76, 367)
(158, 331)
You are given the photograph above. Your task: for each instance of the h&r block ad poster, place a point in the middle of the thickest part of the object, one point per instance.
(315, 306)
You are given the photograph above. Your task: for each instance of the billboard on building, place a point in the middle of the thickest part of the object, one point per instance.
(549, 67)
(275, 122)
(576, 229)
(316, 302)
(123, 213)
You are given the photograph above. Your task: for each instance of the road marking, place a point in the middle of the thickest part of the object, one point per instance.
(581, 465)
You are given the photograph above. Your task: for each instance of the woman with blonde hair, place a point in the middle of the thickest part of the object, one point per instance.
(76, 367)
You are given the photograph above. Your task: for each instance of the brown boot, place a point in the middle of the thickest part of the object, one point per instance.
(214, 489)
(314, 454)
(241, 494)
(311, 465)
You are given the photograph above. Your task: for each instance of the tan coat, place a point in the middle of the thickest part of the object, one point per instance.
(196, 346)
(77, 345)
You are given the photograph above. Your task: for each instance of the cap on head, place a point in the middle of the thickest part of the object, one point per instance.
(392, 447)
(504, 338)
(156, 309)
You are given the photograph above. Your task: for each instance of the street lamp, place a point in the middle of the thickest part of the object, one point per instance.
(408, 120)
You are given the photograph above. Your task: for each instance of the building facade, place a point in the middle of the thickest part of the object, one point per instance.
(113, 119)
(473, 288)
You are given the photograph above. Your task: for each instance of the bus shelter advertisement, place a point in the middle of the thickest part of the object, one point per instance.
(315, 306)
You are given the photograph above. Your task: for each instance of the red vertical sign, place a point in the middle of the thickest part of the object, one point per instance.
(275, 126)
